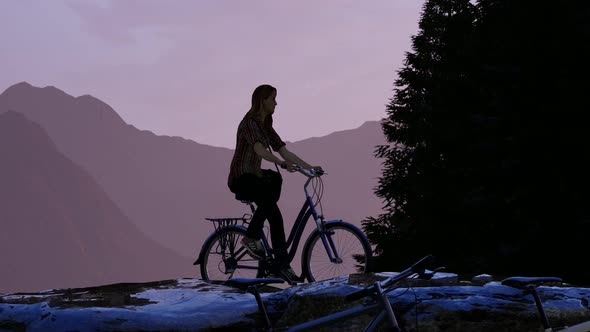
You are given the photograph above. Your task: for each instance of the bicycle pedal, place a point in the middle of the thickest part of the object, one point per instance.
(287, 280)
(291, 282)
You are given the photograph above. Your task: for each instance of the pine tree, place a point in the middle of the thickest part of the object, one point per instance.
(421, 128)
(487, 163)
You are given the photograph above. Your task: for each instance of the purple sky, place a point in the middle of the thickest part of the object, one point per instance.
(188, 68)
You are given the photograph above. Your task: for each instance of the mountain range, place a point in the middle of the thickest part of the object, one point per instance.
(165, 186)
(58, 227)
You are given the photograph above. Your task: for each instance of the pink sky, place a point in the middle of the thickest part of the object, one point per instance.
(188, 68)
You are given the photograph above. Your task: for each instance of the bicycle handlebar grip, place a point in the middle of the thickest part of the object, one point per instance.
(358, 294)
(420, 265)
(417, 267)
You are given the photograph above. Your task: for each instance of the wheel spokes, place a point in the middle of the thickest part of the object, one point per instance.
(347, 247)
(228, 258)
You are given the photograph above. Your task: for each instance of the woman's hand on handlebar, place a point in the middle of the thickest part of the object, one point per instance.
(314, 171)
(318, 170)
(289, 167)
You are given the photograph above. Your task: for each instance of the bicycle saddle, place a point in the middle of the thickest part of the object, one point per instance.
(244, 283)
(522, 282)
(242, 198)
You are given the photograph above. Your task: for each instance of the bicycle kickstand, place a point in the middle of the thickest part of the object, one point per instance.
(382, 297)
(544, 320)
(261, 307)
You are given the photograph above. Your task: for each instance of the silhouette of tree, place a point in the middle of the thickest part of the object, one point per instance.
(422, 127)
(487, 166)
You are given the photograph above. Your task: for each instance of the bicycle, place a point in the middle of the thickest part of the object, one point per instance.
(333, 248)
(529, 286)
(377, 294)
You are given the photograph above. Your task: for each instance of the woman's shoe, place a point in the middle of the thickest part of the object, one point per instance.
(254, 247)
(290, 276)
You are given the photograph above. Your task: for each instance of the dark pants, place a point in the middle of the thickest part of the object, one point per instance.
(265, 192)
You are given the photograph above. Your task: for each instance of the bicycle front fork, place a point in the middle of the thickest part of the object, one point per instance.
(326, 236)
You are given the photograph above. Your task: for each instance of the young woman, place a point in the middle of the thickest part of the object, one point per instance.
(255, 135)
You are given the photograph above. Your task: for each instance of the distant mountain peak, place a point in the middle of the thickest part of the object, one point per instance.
(367, 125)
(26, 87)
(19, 86)
(103, 109)
(88, 97)
(86, 105)
(370, 123)
(22, 84)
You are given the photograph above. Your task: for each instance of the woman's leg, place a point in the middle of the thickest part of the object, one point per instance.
(256, 223)
(249, 186)
(277, 229)
(265, 194)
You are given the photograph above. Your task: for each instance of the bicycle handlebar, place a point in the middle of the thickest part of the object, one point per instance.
(417, 268)
(310, 173)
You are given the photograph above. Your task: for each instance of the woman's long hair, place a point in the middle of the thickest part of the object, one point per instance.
(260, 93)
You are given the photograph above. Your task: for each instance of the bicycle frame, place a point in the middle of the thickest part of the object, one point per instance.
(376, 292)
(298, 228)
(380, 304)
(292, 242)
(339, 316)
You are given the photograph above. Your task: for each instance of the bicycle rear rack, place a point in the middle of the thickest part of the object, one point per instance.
(219, 223)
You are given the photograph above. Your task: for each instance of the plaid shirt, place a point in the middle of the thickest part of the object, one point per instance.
(245, 159)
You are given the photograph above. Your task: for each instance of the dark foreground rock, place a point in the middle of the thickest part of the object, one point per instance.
(442, 304)
(445, 304)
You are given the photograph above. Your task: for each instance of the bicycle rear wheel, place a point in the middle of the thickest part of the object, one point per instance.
(351, 245)
(224, 257)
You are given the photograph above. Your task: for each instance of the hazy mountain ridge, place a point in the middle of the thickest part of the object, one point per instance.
(59, 228)
(139, 170)
(168, 185)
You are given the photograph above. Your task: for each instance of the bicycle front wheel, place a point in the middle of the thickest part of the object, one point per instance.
(224, 257)
(350, 249)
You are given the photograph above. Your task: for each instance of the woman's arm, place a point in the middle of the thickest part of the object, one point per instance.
(290, 157)
(266, 154)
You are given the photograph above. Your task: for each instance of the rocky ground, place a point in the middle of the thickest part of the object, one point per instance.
(441, 304)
